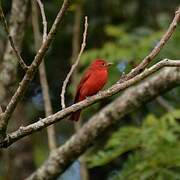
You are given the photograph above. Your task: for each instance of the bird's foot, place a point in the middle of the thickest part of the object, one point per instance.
(88, 97)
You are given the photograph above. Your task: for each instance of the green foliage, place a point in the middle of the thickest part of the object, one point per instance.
(40, 153)
(154, 147)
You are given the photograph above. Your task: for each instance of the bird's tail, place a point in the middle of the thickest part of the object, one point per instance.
(75, 116)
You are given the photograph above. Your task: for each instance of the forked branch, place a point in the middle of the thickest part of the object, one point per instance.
(31, 70)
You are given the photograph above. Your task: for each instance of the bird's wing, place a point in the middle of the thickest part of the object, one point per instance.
(83, 80)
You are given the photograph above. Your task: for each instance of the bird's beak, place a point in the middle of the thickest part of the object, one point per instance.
(109, 64)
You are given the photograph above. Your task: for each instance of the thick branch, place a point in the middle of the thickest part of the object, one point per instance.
(24, 131)
(130, 100)
(146, 61)
(32, 69)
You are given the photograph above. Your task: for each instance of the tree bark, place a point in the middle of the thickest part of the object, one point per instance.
(10, 62)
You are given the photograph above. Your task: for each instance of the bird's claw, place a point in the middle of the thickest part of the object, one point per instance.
(87, 97)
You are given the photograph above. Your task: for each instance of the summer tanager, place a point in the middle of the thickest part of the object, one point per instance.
(91, 82)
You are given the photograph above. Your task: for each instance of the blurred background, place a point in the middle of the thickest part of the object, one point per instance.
(122, 32)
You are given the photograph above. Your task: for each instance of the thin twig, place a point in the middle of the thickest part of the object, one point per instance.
(164, 103)
(146, 61)
(74, 65)
(32, 69)
(24, 131)
(42, 71)
(41, 6)
(1, 111)
(5, 25)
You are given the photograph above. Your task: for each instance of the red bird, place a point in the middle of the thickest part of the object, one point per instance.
(92, 81)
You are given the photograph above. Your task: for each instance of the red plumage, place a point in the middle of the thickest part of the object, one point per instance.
(91, 82)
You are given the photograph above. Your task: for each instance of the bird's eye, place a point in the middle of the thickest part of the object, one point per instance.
(103, 64)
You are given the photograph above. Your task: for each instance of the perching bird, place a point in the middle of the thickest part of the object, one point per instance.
(91, 82)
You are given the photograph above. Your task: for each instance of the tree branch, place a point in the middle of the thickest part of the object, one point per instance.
(147, 60)
(31, 70)
(16, 52)
(164, 103)
(129, 101)
(42, 123)
(75, 64)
